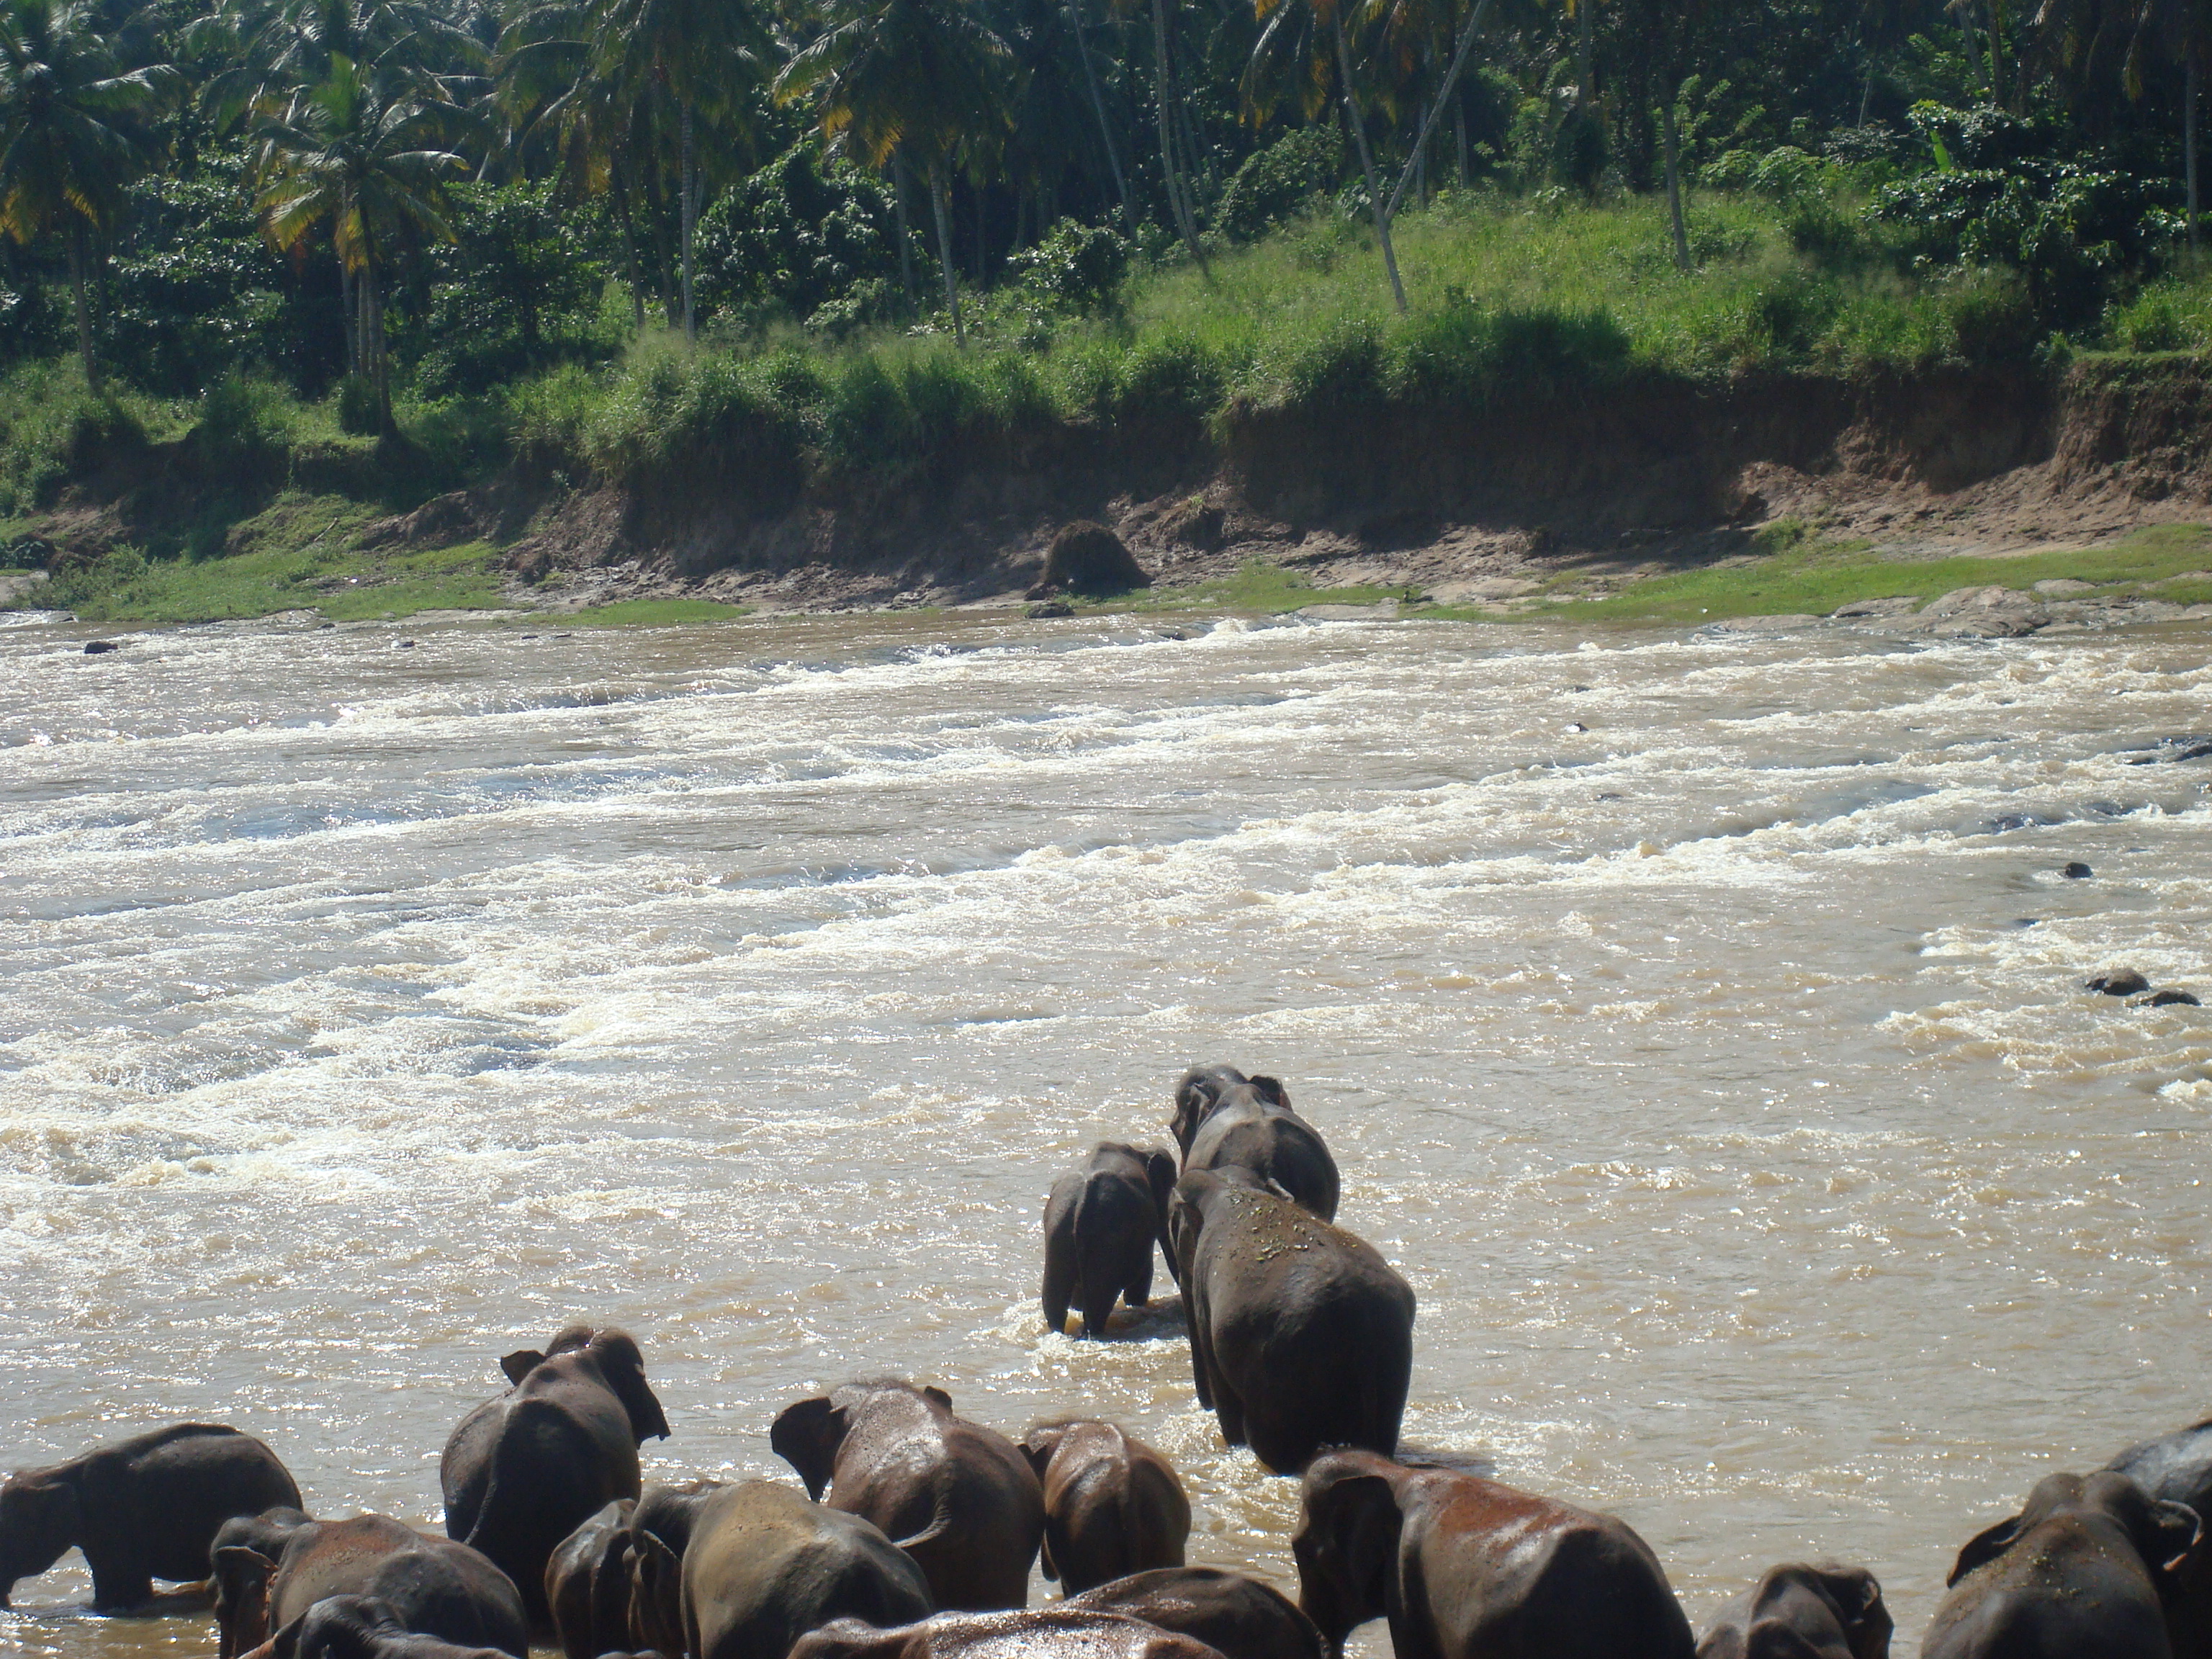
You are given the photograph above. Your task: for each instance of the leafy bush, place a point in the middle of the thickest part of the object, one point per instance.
(1280, 183)
(1075, 268)
(52, 425)
(796, 239)
(246, 424)
(519, 287)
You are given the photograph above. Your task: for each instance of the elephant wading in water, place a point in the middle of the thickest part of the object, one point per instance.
(428, 1587)
(1060, 1633)
(587, 1585)
(1113, 1505)
(957, 1498)
(362, 1627)
(1795, 1612)
(141, 1509)
(2179, 1467)
(1224, 1119)
(2087, 1567)
(1464, 1568)
(524, 1470)
(1301, 1336)
(1100, 1225)
(765, 1566)
(1239, 1615)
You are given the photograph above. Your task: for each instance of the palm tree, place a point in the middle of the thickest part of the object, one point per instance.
(1664, 35)
(694, 51)
(899, 77)
(274, 47)
(370, 160)
(73, 134)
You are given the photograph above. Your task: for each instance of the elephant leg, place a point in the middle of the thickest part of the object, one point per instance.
(1137, 1289)
(119, 1585)
(1228, 1411)
(1098, 1301)
(1059, 1289)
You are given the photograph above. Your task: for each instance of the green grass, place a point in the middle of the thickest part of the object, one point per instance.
(655, 613)
(1821, 576)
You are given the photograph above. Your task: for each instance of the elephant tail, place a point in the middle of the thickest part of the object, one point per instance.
(940, 1525)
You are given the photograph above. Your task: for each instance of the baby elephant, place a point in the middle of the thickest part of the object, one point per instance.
(1100, 1225)
(141, 1509)
(1113, 1505)
(362, 1627)
(1828, 1611)
(1041, 1633)
(587, 1585)
(2087, 1567)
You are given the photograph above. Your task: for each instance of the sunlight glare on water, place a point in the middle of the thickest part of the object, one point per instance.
(1719, 1074)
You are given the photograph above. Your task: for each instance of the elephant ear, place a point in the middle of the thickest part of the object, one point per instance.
(931, 1391)
(622, 1368)
(806, 1435)
(656, 1578)
(1867, 1624)
(1983, 1547)
(1272, 1089)
(1040, 1443)
(1365, 1523)
(520, 1363)
(2172, 1536)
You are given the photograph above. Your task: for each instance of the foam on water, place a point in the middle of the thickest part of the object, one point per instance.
(1670, 1003)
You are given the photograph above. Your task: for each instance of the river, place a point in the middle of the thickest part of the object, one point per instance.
(1697, 1020)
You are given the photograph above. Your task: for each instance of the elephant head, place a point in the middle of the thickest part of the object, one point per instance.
(614, 1356)
(1346, 1540)
(38, 1525)
(242, 1575)
(808, 1434)
(2165, 1534)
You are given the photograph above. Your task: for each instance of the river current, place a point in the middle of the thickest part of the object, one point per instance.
(1697, 1020)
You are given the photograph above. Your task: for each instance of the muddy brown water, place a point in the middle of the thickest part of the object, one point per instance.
(1696, 1020)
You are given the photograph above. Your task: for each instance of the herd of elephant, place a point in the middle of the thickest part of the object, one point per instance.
(918, 1529)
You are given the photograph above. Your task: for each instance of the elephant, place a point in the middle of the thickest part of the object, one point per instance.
(1041, 1633)
(2088, 1566)
(526, 1469)
(1798, 1612)
(766, 1566)
(1466, 1568)
(1231, 1611)
(587, 1585)
(431, 1586)
(263, 1534)
(362, 1628)
(1301, 1335)
(669, 1513)
(144, 1508)
(1223, 1118)
(1100, 1225)
(1113, 1505)
(959, 1498)
(2179, 1467)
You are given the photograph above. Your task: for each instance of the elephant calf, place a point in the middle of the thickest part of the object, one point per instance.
(1795, 1612)
(960, 1499)
(362, 1627)
(1044, 1633)
(1100, 1225)
(587, 1585)
(2087, 1567)
(428, 1586)
(766, 1566)
(1301, 1336)
(1113, 1505)
(670, 1513)
(524, 1470)
(141, 1509)
(1238, 1615)
(1465, 1568)
(1224, 1120)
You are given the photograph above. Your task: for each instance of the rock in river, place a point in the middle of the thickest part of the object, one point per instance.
(2120, 982)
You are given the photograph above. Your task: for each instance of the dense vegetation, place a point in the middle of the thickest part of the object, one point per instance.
(612, 237)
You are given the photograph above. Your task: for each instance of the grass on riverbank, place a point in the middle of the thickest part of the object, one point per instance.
(1819, 576)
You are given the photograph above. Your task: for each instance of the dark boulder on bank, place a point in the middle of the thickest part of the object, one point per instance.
(2120, 982)
(1087, 557)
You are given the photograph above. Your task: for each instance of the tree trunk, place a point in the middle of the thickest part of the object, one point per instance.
(1178, 209)
(620, 191)
(80, 256)
(1996, 90)
(350, 307)
(945, 247)
(2189, 137)
(379, 365)
(905, 240)
(1098, 109)
(1459, 129)
(1585, 51)
(689, 170)
(982, 240)
(1444, 93)
(1366, 159)
(1674, 183)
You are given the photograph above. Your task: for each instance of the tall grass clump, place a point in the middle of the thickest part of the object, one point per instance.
(52, 424)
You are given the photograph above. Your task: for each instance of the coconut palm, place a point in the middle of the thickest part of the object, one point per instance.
(273, 48)
(892, 78)
(369, 160)
(74, 131)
